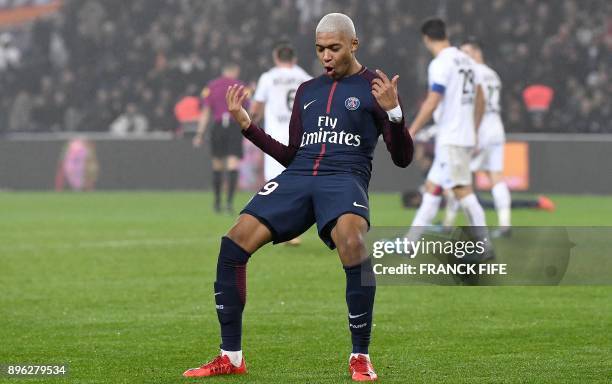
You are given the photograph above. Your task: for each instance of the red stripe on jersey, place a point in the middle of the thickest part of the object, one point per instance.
(315, 168)
(331, 96)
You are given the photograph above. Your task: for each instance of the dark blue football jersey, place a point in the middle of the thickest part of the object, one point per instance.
(334, 128)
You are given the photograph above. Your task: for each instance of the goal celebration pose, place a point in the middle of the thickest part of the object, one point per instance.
(335, 124)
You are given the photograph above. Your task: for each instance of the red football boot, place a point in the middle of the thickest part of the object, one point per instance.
(361, 369)
(221, 365)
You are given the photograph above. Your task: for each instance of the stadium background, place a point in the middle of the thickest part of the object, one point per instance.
(72, 68)
(117, 284)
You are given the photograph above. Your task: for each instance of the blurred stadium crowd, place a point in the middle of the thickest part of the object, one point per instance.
(96, 62)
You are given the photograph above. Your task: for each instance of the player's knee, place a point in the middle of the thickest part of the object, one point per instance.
(249, 234)
(352, 248)
(236, 235)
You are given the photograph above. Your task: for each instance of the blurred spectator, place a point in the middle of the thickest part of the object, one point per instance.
(10, 57)
(149, 52)
(20, 118)
(131, 122)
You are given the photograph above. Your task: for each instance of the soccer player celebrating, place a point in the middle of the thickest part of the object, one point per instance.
(456, 102)
(273, 101)
(490, 155)
(334, 127)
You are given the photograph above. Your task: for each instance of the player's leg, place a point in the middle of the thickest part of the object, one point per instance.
(428, 209)
(217, 180)
(452, 208)
(272, 169)
(232, 166)
(244, 238)
(461, 181)
(342, 212)
(234, 155)
(469, 203)
(500, 191)
(218, 152)
(348, 236)
(437, 178)
(452, 205)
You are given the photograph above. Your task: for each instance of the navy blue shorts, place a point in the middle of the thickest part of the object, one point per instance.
(290, 204)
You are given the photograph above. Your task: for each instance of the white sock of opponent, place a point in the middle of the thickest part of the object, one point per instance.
(473, 210)
(234, 356)
(502, 199)
(424, 216)
(452, 207)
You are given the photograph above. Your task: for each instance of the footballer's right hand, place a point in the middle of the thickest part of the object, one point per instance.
(234, 98)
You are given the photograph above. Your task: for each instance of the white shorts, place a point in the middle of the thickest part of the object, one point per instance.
(489, 158)
(272, 168)
(451, 166)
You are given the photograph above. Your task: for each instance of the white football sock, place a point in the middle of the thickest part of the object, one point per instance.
(234, 356)
(367, 355)
(424, 216)
(473, 210)
(503, 201)
(452, 207)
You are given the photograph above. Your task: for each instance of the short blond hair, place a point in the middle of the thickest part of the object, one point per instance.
(337, 22)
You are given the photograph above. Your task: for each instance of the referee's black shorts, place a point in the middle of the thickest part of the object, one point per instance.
(226, 140)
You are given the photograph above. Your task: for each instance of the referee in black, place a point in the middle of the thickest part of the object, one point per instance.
(225, 137)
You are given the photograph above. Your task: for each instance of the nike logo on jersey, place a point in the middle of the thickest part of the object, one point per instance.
(356, 316)
(359, 205)
(308, 104)
(218, 293)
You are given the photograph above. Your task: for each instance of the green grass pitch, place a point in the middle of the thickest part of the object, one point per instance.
(118, 286)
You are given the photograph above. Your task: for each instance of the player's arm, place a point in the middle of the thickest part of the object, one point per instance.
(202, 124)
(426, 111)
(396, 136)
(284, 154)
(257, 111)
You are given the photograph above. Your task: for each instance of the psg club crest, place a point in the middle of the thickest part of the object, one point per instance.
(352, 103)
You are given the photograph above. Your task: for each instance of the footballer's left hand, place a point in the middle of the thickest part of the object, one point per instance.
(234, 97)
(385, 90)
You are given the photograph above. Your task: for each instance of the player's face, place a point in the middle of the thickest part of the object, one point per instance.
(336, 52)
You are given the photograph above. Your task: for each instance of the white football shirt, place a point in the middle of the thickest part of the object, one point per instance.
(491, 130)
(453, 74)
(276, 88)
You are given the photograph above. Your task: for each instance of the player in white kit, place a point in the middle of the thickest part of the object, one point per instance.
(455, 100)
(273, 101)
(491, 139)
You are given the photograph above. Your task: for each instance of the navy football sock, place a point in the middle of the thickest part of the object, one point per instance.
(217, 179)
(360, 302)
(230, 293)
